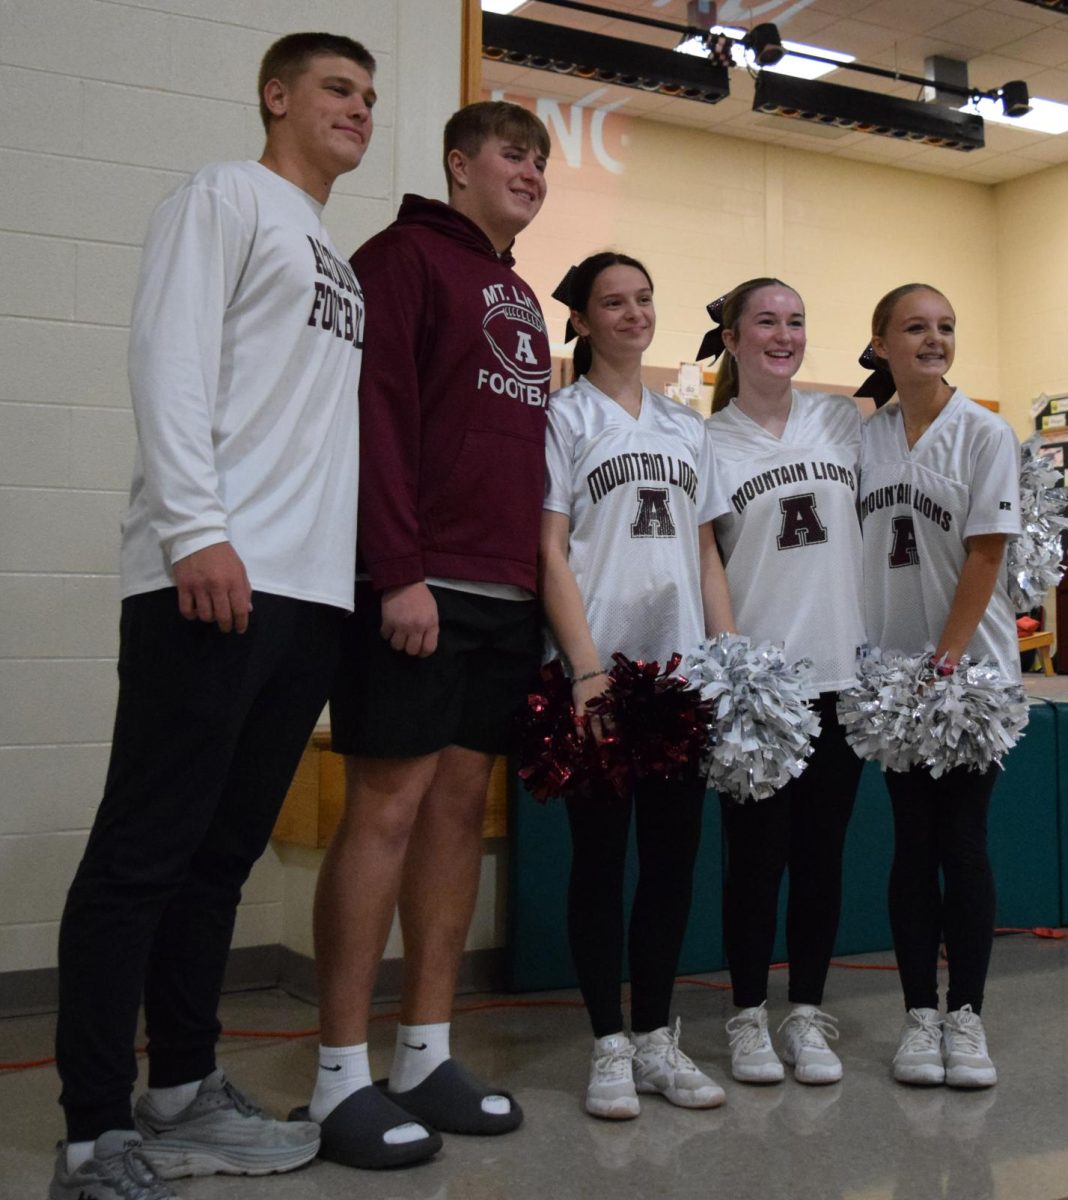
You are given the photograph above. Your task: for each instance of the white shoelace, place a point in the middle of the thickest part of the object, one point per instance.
(967, 1030)
(674, 1057)
(749, 1032)
(815, 1028)
(925, 1035)
(615, 1066)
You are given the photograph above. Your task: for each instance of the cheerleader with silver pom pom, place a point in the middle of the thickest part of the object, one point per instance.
(790, 539)
(940, 500)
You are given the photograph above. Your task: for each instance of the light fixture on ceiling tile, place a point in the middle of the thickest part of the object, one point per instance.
(867, 112)
(524, 43)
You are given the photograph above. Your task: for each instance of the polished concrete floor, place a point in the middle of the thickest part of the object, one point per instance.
(863, 1139)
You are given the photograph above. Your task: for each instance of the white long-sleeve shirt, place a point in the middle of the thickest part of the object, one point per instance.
(245, 349)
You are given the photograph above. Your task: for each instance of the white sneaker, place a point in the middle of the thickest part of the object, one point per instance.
(610, 1093)
(805, 1032)
(919, 1054)
(964, 1051)
(660, 1066)
(753, 1058)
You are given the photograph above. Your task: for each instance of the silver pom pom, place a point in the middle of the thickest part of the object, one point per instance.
(971, 718)
(903, 714)
(1034, 558)
(762, 726)
(880, 714)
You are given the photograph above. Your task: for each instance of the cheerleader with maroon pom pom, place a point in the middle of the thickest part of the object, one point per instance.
(630, 580)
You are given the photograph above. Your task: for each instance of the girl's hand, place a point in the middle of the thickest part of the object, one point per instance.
(581, 695)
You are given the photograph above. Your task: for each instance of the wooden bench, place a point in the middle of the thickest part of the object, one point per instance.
(1042, 643)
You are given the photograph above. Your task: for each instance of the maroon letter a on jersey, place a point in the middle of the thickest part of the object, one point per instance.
(903, 549)
(654, 514)
(801, 525)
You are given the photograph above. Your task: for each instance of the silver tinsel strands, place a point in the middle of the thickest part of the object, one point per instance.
(903, 714)
(971, 718)
(1034, 558)
(762, 725)
(879, 715)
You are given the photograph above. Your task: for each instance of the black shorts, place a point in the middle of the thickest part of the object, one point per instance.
(388, 704)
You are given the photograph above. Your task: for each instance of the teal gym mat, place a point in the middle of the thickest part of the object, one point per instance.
(1028, 847)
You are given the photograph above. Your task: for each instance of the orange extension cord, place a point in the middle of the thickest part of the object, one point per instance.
(288, 1035)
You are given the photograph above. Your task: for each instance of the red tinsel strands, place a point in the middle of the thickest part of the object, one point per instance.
(558, 755)
(656, 726)
(551, 736)
(660, 720)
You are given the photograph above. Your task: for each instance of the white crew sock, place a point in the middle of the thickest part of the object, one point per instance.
(342, 1071)
(420, 1050)
(170, 1101)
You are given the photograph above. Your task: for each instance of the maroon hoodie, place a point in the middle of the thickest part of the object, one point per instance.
(453, 390)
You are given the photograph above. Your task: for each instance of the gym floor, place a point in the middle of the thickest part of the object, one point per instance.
(865, 1137)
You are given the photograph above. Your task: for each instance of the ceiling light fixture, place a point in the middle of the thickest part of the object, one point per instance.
(867, 112)
(1044, 116)
(816, 62)
(523, 43)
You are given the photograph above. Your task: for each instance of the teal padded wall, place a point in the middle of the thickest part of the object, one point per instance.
(1028, 848)
(1023, 823)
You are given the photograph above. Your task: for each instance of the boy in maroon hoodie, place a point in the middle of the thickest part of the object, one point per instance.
(445, 640)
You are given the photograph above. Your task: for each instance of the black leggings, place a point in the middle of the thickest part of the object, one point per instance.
(668, 828)
(802, 826)
(940, 825)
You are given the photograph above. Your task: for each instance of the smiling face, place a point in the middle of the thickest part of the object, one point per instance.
(321, 120)
(918, 338)
(768, 340)
(619, 318)
(500, 188)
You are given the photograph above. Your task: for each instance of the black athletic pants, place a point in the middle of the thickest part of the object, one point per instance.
(668, 830)
(803, 827)
(940, 826)
(208, 731)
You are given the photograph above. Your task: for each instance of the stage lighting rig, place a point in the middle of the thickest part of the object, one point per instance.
(545, 47)
(867, 112)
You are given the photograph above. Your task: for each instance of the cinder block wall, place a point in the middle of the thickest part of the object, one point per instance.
(106, 106)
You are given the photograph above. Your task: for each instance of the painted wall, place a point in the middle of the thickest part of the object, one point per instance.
(106, 107)
(705, 212)
(1032, 298)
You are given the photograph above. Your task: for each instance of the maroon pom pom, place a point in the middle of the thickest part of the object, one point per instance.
(657, 716)
(558, 755)
(655, 725)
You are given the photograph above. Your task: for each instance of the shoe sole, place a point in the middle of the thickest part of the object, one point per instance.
(969, 1082)
(681, 1099)
(613, 1112)
(178, 1161)
(763, 1077)
(925, 1081)
(818, 1080)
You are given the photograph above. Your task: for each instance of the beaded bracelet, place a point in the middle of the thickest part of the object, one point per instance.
(589, 675)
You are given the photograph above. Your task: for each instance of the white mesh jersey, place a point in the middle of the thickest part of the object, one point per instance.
(636, 491)
(918, 507)
(789, 533)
